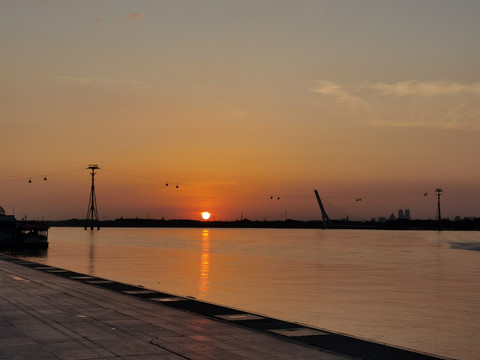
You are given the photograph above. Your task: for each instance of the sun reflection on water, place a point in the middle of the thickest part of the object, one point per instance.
(204, 264)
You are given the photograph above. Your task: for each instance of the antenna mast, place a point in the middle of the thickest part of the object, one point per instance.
(92, 213)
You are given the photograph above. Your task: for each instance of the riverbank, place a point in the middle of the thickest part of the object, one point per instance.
(399, 224)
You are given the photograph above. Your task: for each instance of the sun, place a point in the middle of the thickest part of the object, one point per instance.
(205, 215)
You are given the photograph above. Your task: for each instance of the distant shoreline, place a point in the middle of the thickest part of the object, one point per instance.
(400, 224)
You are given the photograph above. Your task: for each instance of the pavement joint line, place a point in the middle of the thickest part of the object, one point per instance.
(293, 332)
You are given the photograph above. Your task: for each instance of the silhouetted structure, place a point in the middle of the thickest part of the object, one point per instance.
(404, 214)
(92, 213)
(439, 213)
(325, 219)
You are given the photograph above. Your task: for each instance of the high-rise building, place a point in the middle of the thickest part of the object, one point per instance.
(407, 214)
(400, 214)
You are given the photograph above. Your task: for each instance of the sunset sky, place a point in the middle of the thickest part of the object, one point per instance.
(239, 101)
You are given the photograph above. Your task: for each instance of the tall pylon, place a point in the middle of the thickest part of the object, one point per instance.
(325, 219)
(439, 213)
(92, 212)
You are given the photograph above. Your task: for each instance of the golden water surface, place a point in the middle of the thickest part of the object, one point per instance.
(414, 289)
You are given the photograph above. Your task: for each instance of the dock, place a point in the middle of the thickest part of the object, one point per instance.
(52, 313)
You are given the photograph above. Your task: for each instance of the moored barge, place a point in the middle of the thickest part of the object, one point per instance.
(22, 234)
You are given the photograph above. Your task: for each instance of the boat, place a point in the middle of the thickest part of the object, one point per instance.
(32, 234)
(22, 234)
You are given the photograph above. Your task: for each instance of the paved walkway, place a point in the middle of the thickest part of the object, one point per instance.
(45, 316)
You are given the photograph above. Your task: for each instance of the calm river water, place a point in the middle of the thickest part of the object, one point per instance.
(415, 289)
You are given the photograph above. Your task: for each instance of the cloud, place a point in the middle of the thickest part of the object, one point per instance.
(209, 95)
(73, 80)
(427, 104)
(337, 92)
(134, 15)
(425, 89)
(112, 83)
(408, 103)
(235, 111)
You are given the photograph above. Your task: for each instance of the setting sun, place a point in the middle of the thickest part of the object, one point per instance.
(205, 215)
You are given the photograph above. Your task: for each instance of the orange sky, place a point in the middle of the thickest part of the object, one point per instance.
(236, 102)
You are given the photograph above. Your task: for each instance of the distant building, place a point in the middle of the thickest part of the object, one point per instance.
(403, 214)
(407, 214)
(392, 217)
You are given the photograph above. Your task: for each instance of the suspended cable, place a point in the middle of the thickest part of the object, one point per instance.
(124, 172)
(44, 176)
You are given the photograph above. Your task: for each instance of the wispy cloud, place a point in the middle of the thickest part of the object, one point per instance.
(134, 15)
(235, 111)
(426, 89)
(209, 95)
(409, 103)
(337, 92)
(115, 83)
(73, 80)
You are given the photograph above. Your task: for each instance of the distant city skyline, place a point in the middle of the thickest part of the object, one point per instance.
(339, 206)
(238, 102)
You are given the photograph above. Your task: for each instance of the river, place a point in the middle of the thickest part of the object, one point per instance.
(415, 289)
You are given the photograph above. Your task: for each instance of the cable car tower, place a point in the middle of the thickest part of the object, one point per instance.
(439, 193)
(92, 213)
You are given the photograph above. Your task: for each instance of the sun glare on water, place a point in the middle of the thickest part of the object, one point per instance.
(205, 215)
